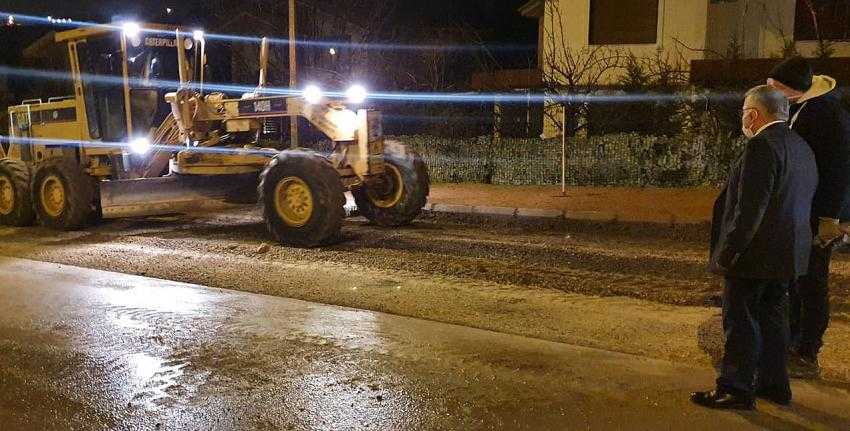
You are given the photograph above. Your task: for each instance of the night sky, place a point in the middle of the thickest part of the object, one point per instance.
(496, 22)
(498, 18)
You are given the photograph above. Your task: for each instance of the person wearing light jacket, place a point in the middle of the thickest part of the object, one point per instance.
(819, 118)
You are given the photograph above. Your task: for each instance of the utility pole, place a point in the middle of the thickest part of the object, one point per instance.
(293, 120)
(563, 150)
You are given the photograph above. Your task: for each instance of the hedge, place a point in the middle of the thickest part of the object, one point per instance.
(622, 159)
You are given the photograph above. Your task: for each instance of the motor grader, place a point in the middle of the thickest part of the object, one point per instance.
(140, 136)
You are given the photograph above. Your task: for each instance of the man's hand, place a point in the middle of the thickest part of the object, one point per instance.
(724, 261)
(829, 231)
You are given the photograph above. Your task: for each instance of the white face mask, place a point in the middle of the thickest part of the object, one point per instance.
(749, 133)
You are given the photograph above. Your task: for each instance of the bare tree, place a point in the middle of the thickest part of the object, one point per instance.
(825, 46)
(571, 73)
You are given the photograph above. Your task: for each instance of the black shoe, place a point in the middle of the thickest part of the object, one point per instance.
(775, 395)
(723, 400)
(803, 366)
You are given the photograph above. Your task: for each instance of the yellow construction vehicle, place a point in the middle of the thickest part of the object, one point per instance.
(126, 144)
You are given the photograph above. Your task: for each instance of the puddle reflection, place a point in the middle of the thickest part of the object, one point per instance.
(163, 298)
(153, 377)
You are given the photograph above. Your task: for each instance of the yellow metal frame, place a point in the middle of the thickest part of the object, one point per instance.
(81, 35)
(100, 30)
(43, 125)
(188, 162)
(79, 96)
(128, 112)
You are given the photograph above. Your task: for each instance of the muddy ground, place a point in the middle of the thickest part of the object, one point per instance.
(86, 349)
(639, 289)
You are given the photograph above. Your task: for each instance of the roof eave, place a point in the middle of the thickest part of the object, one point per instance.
(532, 9)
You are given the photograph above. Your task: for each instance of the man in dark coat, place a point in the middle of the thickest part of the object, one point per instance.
(817, 116)
(761, 240)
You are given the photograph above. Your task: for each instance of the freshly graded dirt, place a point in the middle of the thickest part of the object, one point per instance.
(636, 289)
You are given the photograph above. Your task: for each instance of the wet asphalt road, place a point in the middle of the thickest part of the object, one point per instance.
(86, 349)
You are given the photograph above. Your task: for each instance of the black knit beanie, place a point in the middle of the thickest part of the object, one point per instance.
(794, 72)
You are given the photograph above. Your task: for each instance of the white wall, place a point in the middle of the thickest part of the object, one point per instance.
(681, 23)
(760, 27)
(809, 48)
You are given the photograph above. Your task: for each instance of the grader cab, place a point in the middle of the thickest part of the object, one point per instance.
(140, 136)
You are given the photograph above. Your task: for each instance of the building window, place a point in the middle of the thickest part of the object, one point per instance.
(617, 22)
(832, 18)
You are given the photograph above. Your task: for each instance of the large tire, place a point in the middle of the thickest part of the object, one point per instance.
(409, 182)
(64, 195)
(303, 199)
(16, 208)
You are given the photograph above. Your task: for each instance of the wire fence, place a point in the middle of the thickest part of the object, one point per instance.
(607, 160)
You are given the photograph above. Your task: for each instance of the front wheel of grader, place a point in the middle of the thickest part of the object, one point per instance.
(303, 199)
(403, 192)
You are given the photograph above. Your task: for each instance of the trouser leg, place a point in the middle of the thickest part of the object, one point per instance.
(794, 314)
(743, 336)
(813, 292)
(773, 325)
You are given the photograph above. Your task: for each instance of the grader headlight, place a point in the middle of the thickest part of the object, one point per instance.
(346, 121)
(132, 32)
(140, 146)
(131, 29)
(356, 94)
(313, 94)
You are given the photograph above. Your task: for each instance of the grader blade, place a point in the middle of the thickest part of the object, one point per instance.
(175, 194)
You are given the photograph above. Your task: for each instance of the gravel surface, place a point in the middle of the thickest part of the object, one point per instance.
(638, 289)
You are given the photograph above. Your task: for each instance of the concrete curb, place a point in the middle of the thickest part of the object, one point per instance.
(543, 214)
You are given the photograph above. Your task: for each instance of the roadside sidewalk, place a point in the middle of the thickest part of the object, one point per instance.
(598, 204)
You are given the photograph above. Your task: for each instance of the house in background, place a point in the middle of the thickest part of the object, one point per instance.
(696, 29)
(699, 34)
(766, 28)
(693, 29)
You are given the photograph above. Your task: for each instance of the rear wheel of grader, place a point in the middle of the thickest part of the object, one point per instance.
(403, 192)
(16, 207)
(64, 195)
(303, 199)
